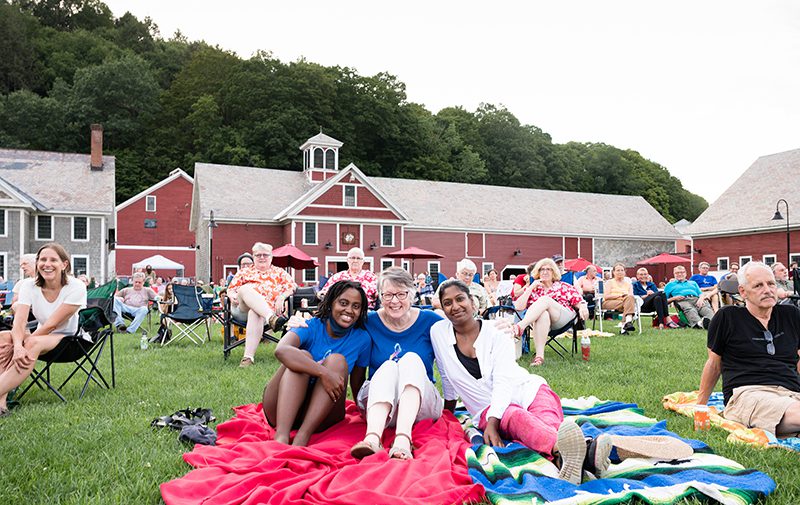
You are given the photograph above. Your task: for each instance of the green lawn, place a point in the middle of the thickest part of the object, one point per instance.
(101, 449)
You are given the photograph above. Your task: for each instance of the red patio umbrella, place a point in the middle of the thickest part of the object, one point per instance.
(664, 258)
(290, 256)
(579, 265)
(413, 253)
(661, 266)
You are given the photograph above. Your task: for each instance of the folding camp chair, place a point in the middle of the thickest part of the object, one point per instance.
(573, 325)
(729, 291)
(600, 312)
(85, 354)
(192, 310)
(233, 329)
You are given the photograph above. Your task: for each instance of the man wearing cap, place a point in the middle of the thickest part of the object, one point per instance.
(756, 349)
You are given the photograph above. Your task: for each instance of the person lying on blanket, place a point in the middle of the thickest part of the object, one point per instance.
(755, 348)
(309, 389)
(476, 363)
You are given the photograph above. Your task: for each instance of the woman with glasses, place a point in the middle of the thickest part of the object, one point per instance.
(257, 295)
(355, 272)
(400, 389)
(551, 304)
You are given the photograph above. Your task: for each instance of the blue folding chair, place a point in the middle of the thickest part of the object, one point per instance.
(191, 311)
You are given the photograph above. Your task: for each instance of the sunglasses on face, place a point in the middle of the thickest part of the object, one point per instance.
(770, 345)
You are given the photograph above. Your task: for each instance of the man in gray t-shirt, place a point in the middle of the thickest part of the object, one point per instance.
(132, 301)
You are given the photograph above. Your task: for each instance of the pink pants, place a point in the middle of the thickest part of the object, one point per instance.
(536, 427)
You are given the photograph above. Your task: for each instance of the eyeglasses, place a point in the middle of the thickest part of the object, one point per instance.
(356, 259)
(545, 269)
(770, 345)
(262, 255)
(388, 297)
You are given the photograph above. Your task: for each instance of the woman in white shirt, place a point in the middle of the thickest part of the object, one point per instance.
(54, 297)
(476, 363)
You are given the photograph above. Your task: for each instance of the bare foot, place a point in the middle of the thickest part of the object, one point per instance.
(284, 439)
(301, 439)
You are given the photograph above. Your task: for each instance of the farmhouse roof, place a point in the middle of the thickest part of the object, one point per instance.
(58, 182)
(748, 205)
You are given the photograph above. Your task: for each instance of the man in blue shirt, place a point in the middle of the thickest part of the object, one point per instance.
(689, 299)
(708, 285)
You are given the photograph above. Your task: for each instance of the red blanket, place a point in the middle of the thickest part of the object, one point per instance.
(248, 467)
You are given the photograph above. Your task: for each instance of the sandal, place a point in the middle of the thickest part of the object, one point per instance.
(537, 361)
(363, 449)
(399, 453)
(5, 413)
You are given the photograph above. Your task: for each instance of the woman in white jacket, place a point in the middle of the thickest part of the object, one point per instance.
(476, 362)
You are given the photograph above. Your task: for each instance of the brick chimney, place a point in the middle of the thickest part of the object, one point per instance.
(97, 147)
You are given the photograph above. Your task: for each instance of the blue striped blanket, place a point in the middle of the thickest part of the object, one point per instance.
(516, 474)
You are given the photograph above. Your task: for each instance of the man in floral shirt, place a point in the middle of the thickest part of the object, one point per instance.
(355, 272)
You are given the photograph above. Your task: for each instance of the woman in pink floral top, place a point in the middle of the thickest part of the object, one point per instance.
(355, 272)
(551, 304)
(257, 295)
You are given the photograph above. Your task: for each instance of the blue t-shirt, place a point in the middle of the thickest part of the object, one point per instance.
(685, 288)
(640, 290)
(387, 344)
(354, 346)
(704, 281)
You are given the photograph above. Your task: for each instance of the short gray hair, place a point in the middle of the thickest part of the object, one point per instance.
(741, 275)
(357, 250)
(29, 258)
(137, 275)
(398, 277)
(466, 264)
(706, 263)
(261, 246)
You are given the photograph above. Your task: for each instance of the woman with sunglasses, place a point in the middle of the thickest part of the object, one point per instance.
(257, 295)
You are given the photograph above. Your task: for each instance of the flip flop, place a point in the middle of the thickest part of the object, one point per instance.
(4, 413)
(399, 453)
(363, 449)
(537, 361)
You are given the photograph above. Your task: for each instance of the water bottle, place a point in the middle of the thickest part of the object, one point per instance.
(585, 346)
(143, 343)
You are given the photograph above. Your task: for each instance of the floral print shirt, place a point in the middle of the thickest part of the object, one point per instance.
(563, 293)
(270, 284)
(367, 279)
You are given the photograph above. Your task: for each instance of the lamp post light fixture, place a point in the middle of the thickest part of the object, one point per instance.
(212, 223)
(779, 217)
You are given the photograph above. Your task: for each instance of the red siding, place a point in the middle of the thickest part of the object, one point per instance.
(344, 213)
(331, 197)
(570, 247)
(586, 248)
(367, 199)
(231, 240)
(173, 209)
(475, 245)
(755, 245)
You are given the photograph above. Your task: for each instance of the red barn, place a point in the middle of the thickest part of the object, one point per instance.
(325, 211)
(156, 221)
(739, 226)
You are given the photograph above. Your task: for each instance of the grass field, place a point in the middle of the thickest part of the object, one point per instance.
(101, 449)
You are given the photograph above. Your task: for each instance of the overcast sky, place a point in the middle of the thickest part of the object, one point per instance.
(701, 87)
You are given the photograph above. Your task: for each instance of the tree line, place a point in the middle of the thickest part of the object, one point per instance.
(171, 102)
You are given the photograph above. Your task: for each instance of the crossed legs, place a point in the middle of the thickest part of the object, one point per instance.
(10, 376)
(539, 316)
(258, 313)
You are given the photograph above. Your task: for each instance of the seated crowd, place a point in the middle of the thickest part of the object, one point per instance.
(367, 332)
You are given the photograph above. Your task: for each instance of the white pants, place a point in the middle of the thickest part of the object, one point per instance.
(391, 379)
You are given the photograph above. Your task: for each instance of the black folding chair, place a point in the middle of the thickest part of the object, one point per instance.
(84, 353)
(233, 329)
(192, 310)
(573, 325)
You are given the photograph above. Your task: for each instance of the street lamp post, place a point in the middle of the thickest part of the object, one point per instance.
(211, 225)
(779, 217)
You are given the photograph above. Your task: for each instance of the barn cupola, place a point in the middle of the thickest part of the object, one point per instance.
(320, 157)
